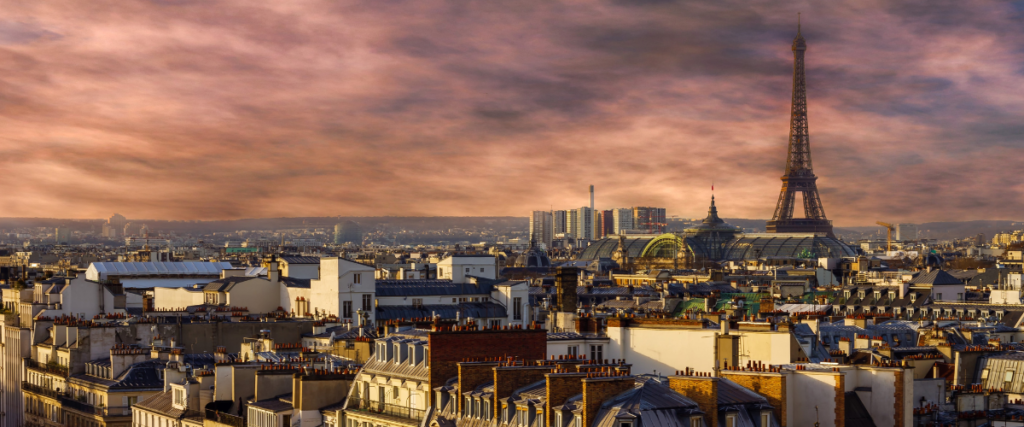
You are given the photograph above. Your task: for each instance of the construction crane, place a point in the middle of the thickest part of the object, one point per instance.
(888, 234)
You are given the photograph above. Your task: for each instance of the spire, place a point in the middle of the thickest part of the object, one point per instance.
(713, 218)
(798, 41)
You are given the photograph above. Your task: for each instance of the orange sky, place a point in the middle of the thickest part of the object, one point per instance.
(199, 109)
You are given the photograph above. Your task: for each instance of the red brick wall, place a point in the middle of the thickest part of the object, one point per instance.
(448, 348)
(510, 378)
(560, 388)
(770, 385)
(597, 390)
(472, 375)
(703, 390)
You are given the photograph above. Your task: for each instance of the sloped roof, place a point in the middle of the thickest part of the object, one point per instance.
(653, 402)
(936, 277)
(446, 311)
(856, 413)
(301, 260)
(401, 288)
(101, 270)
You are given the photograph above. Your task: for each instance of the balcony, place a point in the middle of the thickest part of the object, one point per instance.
(103, 411)
(50, 368)
(387, 409)
(224, 418)
(42, 391)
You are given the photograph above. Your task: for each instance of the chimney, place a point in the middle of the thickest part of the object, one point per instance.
(273, 274)
(508, 379)
(472, 375)
(597, 390)
(703, 390)
(560, 387)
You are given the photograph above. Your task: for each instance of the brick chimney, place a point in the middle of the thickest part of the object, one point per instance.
(472, 375)
(560, 388)
(508, 379)
(703, 390)
(597, 390)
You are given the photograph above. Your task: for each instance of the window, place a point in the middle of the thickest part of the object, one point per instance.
(558, 419)
(730, 421)
(938, 297)
(367, 302)
(984, 374)
(517, 309)
(625, 424)
(481, 269)
(356, 278)
(417, 302)
(959, 297)
(1009, 376)
(495, 323)
(766, 419)
(597, 352)
(573, 350)
(467, 269)
(346, 309)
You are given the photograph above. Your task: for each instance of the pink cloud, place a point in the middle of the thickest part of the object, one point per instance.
(217, 110)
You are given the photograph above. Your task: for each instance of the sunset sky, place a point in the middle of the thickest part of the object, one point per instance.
(208, 109)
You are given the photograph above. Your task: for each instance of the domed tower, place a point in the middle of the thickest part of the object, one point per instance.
(533, 257)
(713, 233)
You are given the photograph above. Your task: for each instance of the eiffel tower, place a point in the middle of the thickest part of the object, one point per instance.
(799, 175)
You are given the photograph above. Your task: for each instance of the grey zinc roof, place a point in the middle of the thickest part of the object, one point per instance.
(856, 413)
(730, 393)
(446, 311)
(401, 288)
(936, 277)
(105, 269)
(651, 401)
(161, 403)
(301, 259)
(296, 283)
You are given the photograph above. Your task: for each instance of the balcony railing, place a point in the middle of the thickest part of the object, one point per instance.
(388, 409)
(224, 418)
(47, 367)
(32, 388)
(103, 411)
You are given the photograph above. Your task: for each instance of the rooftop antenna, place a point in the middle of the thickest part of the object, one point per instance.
(798, 23)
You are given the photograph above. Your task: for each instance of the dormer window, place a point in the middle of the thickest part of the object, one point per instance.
(878, 295)
(860, 294)
(913, 297)
(846, 294)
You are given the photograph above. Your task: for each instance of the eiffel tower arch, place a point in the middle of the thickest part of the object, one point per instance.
(799, 176)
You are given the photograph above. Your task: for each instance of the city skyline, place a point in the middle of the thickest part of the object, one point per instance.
(175, 111)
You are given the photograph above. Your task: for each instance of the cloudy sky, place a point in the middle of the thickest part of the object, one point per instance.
(219, 109)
